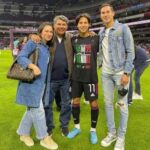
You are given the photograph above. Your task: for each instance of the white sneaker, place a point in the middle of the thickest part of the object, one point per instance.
(108, 140)
(27, 140)
(119, 144)
(137, 97)
(49, 143)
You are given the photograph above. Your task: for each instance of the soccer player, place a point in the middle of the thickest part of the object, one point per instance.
(84, 76)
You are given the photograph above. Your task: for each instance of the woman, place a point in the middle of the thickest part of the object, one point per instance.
(32, 95)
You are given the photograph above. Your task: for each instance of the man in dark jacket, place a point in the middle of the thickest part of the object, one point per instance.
(61, 68)
(84, 75)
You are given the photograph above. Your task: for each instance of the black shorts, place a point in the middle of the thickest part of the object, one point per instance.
(90, 90)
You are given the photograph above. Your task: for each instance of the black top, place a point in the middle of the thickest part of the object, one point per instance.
(85, 59)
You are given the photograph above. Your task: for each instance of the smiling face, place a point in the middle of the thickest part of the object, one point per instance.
(47, 33)
(83, 25)
(60, 27)
(107, 15)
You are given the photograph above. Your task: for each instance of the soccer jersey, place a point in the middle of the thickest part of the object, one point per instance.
(85, 59)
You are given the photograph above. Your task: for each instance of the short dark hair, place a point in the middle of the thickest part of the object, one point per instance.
(106, 4)
(85, 15)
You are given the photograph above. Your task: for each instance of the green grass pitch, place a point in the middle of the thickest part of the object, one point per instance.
(138, 132)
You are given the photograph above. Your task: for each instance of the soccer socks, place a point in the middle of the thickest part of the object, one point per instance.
(94, 117)
(76, 113)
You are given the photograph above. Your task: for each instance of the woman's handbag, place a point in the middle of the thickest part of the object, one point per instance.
(18, 73)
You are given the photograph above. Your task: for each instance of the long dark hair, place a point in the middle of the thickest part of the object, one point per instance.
(40, 29)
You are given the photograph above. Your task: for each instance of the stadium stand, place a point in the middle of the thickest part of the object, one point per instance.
(17, 17)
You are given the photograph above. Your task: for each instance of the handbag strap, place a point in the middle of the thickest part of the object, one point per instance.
(35, 55)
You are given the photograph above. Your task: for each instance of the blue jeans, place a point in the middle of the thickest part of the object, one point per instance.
(36, 117)
(109, 83)
(65, 113)
(137, 75)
